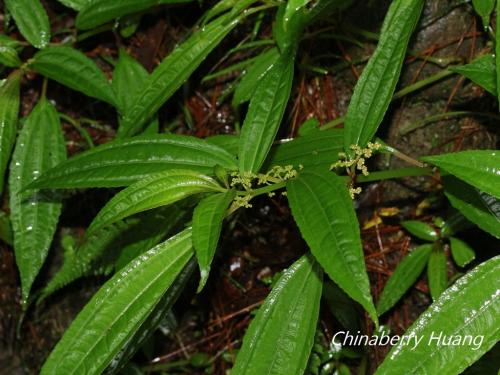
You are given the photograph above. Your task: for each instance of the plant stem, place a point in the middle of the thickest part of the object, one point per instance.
(395, 173)
(76, 124)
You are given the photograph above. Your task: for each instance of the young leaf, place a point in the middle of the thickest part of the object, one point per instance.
(246, 88)
(404, 276)
(154, 191)
(479, 168)
(470, 308)
(421, 230)
(324, 212)
(292, 7)
(73, 69)
(280, 338)
(317, 149)
(461, 252)
(98, 12)
(437, 273)
(8, 56)
(484, 9)
(123, 162)
(265, 113)
(34, 214)
(32, 20)
(118, 309)
(207, 224)
(480, 208)
(174, 71)
(375, 87)
(9, 109)
(481, 71)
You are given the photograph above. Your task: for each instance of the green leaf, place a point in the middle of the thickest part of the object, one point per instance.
(157, 190)
(265, 113)
(377, 83)
(98, 12)
(480, 208)
(153, 321)
(207, 224)
(32, 21)
(318, 149)
(8, 55)
(246, 88)
(497, 48)
(228, 142)
(462, 253)
(403, 277)
(421, 230)
(73, 69)
(75, 4)
(9, 109)
(118, 309)
(323, 209)
(292, 7)
(280, 338)
(470, 308)
(484, 9)
(344, 309)
(174, 71)
(34, 214)
(481, 71)
(123, 162)
(437, 273)
(6, 234)
(479, 168)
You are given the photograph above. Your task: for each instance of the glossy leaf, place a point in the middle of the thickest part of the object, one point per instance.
(479, 168)
(461, 252)
(174, 71)
(318, 149)
(471, 307)
(404, 276)
(377, 83)
(117, 311)
(228, 142)
(292, 7)
(157, 190)
(437, 272)
(98, 12)
(123, 162)
(9, 109)
(8, 56)
(34, 214)
(323, 209)
(75, 4)
(73, 69)
(481, 71)
(421, 230)
(265, 113)
(5, 229)
(484, 9)
(480, 208)
(280, 338)
(31, 20)
(207, 224)
(247, 86)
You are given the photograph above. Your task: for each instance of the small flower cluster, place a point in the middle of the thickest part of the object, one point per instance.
(278, 174)
(356, 162)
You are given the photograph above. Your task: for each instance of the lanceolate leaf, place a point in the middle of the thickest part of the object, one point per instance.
(123, 162)
(437, 272)
(207, 224)
(34, 214)
(118, 309)
(461, 252)
(32, 21)
(228, 142)
(174, 71)
(479, 168)
(468, 309)
(72, 68)
(265, 113)
(480, 208)
(98, 12)
(420, 229)
(9, 109)
(481, 71)
(324, 212)
(154, 191)
(376, 85)
(317, 149)
(404, 276)
(8, 56)
(280, 338)
(246, 88)
(484, 9)
(75, 4)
